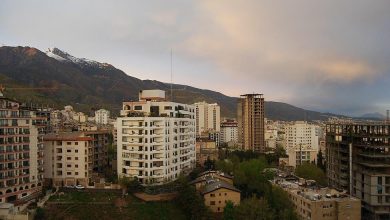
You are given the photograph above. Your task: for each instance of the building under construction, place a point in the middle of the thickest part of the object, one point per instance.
(250, 117)
(358, 160)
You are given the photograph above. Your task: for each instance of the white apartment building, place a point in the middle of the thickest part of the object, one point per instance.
(229, 132)
(301, 142)
(208, 117)
(155, 138)
(102, 116)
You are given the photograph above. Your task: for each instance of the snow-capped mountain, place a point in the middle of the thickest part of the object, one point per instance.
(65, 57)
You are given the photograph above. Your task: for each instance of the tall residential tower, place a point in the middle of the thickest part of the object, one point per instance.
(250, 116)
(156, 138)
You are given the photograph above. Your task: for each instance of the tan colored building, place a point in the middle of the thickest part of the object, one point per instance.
(301, 154)
(205, 149)
(320, 203)
(68, 158)
(216, 194)
(217, 189)
(250, 117)
(21, 151)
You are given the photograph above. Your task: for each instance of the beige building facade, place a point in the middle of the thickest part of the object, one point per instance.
(68, 158)
(205, 149)
(21, 151)
(208, 117)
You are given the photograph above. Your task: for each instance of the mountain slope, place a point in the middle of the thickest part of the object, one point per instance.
(58, 78)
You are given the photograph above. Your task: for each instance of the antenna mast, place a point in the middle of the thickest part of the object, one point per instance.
(171, 75)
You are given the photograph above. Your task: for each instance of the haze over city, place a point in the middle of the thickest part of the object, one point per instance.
(329, 56)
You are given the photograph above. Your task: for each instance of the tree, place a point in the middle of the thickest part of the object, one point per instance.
(209, 164)
(228, 211)
(281, 204)
(250, 179)
(191, 202)
(254, 209)
(39, 214)
(129, 184)
(311, 171)
(320, 161)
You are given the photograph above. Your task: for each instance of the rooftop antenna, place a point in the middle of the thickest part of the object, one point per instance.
(171, 75)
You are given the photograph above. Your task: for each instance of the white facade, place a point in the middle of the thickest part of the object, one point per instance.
(208, 117)
(301, 142)
(155, 140)
(229, 132)
(102, 116)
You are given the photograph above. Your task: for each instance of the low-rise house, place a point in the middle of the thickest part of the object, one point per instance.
(217, 189)
(217, 193)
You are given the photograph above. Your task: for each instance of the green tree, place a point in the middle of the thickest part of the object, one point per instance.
(39, 214)
(281, 204)
(209, 164)
(130, 184)
(254, 209)
(228, 211)
(320, 161)
(191, 202)
(311, 171)
(250, 179)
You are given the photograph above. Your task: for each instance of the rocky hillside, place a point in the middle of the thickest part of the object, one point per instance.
(57, 78)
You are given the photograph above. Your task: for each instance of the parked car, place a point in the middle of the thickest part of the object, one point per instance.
(79, 187)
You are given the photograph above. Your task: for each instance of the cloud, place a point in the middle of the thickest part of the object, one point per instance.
(302, 52)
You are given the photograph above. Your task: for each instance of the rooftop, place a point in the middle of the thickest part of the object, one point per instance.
(67, 136)
(215, 184)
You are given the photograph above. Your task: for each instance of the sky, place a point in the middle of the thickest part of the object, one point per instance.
(329, 56)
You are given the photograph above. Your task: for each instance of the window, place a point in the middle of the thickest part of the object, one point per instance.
(212, 195)
(212, 202)
(77, 166)
(68, 150)
(76, 158)
(76, 143)
(76, 151)
(138, 107)
(68, 158)
(69, 165)
(69, 173)
(76, 173)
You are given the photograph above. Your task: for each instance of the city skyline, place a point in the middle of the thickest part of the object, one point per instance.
(326, 56)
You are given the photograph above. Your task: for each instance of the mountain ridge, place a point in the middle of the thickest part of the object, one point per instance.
(89, 85)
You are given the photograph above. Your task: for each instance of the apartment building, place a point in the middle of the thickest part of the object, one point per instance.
(208, 117)
(301, 154)
(102, 116)
(311, 202)
(205, 149)
(358, 160)
(250, 117)
(156, 138)
(68, 158)
(301, 142)
(100, 144)
(21, 152)
(229, 132)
